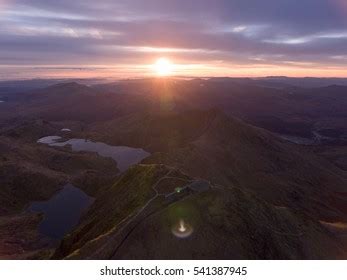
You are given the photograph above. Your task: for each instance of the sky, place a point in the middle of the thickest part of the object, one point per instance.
(124, 38)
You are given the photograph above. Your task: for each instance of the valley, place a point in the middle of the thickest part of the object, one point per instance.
(174, 169)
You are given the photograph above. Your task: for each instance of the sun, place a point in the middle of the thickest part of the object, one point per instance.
(163, 67)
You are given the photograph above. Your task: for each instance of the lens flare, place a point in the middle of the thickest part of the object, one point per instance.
(182, 229)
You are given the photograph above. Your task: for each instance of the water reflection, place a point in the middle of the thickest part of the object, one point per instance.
(124, 156)
(49, 140)
(62, 212)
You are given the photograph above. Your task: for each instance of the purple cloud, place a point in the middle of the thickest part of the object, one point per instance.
(272, 32)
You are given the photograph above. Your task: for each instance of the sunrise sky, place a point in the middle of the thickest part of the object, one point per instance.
(125, 38)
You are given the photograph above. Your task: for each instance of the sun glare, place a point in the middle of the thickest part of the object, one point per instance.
(163, 67)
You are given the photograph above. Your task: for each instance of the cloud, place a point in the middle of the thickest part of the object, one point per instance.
(239, 32)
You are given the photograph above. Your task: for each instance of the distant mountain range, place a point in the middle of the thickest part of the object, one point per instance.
(218, 161)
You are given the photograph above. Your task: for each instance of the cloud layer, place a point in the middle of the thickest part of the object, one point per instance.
(212, 35)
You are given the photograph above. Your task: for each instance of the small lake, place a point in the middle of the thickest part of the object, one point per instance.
(62, 212)
(124, 156)
(49, 140)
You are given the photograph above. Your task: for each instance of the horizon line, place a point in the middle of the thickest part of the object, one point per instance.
(166, 77)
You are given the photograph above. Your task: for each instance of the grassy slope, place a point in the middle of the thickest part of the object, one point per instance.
(231, 225)
(209, 145)
(129, 193)
(228, 223)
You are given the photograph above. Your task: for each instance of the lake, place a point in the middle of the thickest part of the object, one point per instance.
(62, 212)
(124, 156)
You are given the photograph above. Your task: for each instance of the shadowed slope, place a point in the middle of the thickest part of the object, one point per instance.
(227, 224)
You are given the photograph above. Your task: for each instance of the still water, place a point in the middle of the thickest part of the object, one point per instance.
(124, 156)
(62, 212)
